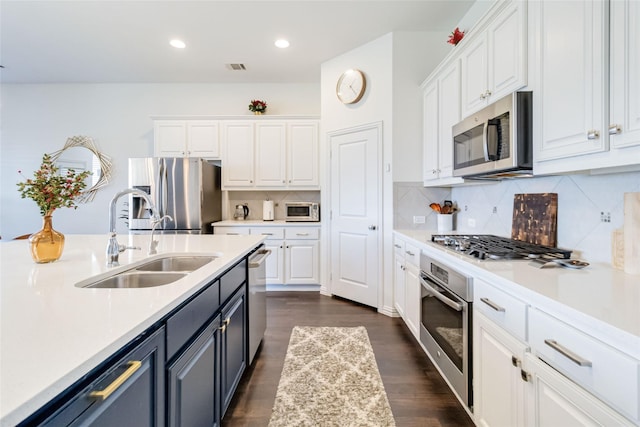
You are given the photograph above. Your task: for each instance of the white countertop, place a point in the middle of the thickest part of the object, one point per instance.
(52, 333)
(598, 299)
(260, 223)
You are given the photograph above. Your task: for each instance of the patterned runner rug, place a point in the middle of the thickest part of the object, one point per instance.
(330, 378)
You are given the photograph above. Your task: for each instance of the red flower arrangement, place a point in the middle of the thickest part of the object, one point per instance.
(456, 36)
(258, 106)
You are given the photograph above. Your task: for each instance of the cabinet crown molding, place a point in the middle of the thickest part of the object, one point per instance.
(233, 117)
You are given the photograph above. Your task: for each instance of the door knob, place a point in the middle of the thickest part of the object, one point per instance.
(372, 227)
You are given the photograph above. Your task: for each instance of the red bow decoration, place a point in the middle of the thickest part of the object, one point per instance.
(456, 36)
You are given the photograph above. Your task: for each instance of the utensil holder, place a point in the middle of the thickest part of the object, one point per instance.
(445, 222)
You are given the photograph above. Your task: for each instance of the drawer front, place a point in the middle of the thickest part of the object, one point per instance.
(503, 309)
(412, 254)
(604, 371)
(292, 233)
(272, 233)
(188, 320)
(232, 279)
(231, 230)
(398, 247)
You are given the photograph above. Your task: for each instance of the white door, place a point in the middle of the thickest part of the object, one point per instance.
(270, 154)
(203, 138)
(355, 211)
(302, 262)
(237, 161)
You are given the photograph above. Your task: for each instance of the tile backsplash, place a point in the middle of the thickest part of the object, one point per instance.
(254, 199)
(590, 208)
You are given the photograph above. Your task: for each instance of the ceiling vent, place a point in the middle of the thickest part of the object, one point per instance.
(236, 67)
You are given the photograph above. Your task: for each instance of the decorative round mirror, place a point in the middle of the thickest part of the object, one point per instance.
(80, 154)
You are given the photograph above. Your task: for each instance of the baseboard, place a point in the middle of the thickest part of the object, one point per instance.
(304, 288)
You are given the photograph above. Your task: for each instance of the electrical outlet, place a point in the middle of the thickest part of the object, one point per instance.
(418, 219)
(471, 223)
(605, 216)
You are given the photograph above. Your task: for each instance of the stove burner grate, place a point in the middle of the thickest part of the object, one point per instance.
(495, 247)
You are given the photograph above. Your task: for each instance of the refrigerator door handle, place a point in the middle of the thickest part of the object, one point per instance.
(160, 187)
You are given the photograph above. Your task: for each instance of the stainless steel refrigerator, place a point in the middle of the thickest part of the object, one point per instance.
(187, 189)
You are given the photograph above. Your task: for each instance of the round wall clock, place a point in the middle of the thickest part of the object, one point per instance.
(351, 86)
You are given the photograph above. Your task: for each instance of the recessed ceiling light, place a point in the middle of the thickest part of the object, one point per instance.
(178, 44)
(282, 43)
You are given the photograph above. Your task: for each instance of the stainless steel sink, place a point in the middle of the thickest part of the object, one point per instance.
(176, 263)
(147, 274)
(135, 279)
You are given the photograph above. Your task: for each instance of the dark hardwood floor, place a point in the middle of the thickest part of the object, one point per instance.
(417, 394)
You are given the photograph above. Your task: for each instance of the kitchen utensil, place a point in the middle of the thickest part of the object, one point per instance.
(436, 207)
(535, 218)
(267, 210)
(568, 263)
(631, 233)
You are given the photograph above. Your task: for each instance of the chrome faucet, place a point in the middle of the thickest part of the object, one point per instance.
(153, 244)
(113, 247)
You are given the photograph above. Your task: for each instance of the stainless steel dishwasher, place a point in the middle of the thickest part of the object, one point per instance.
(257, 299)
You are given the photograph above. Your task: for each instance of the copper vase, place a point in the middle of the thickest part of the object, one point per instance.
(46, 245)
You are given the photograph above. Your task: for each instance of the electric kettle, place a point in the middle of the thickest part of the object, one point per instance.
(242, 212)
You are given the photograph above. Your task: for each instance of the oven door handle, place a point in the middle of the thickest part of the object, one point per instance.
(438, 295)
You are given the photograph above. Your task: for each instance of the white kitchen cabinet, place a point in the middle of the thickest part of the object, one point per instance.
(237, 155)
(499, 390)
(302, 262)
(532, 369)
(295, 252)
(493, 64)
(398, 277)
(412, 295)
(587, 115)
(553, 400)
(187, 138)
(571, 68)
(624, 123)
(271, 155)
(441, 100)
(407, 284)
(303, 155)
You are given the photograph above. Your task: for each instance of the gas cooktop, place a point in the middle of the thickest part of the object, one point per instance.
(486, 246)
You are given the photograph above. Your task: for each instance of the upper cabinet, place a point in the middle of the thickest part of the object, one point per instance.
(187, 138)
(270, 155)
(441, 100)
(624, 123)
(587, 105)
(493, 63)
(238, 160)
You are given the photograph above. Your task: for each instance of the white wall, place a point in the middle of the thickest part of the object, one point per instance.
(37, 119)
(415, 55)
(394, 65)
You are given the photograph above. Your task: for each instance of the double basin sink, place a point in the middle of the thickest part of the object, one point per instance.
(147, 274)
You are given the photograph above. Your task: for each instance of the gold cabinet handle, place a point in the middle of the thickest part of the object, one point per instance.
(104, 394)
(225, 323)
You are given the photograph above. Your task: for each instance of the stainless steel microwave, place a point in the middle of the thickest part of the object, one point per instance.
(302, 211)
(496, 142)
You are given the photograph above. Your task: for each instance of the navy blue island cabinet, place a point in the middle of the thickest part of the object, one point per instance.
(182, 372)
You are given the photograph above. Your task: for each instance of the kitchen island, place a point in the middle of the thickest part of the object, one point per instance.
(53, 333)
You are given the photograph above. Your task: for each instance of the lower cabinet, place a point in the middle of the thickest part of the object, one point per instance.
(233, 354)
(193, 381)
(531, 369)
(130, 392)
(554, 400)
(295, 252)
(498, 398)
(406, 286)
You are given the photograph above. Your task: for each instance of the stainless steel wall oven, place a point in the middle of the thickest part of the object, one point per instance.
(446, 323)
